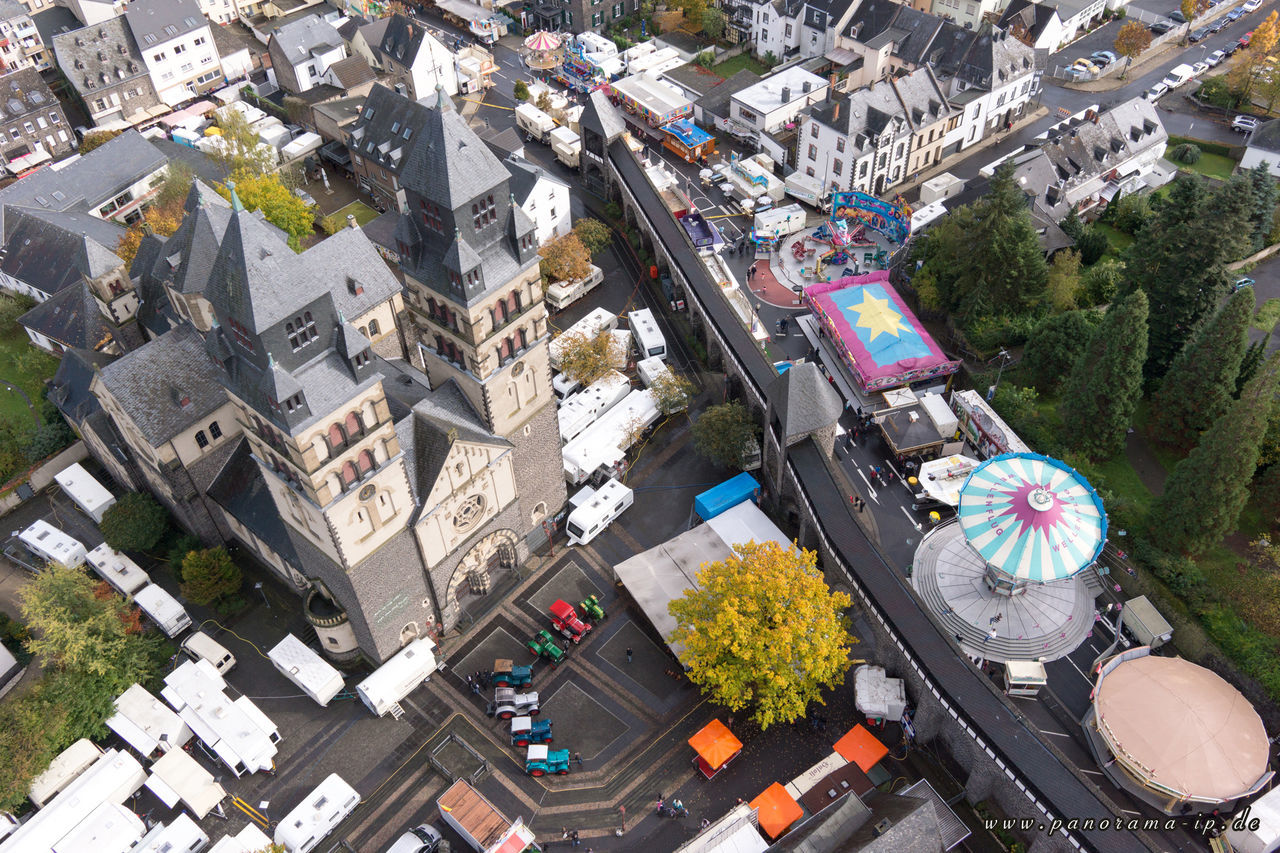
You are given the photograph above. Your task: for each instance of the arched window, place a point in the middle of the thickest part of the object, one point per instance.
(349, 474)
(524, 338)
(366, 462)
(373, 328)
(201, 441)
(352, 425)
(513, 302)
(336, 439)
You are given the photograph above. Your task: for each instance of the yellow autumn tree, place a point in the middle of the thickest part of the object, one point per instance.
(586, 358)
(764, 632)
(565, 259)
(1264, 36)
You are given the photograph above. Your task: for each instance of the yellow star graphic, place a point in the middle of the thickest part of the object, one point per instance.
(877, 315)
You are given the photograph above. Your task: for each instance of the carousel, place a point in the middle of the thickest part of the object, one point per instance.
(1007, 574)
(543, 51)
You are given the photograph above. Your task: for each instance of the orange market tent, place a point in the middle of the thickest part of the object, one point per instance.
(862, 748)
(777, 810)
(716, 747)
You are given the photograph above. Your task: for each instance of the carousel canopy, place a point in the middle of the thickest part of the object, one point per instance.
(1032, 517)
(542, 41)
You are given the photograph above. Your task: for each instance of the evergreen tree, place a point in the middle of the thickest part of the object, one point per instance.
(1071, 224)
(1055, 344)
(1263, 187)
(1249, 365)
(986, 259)
(1106, 382)
(1198, 387)
(1204, 495)
(1179, 260)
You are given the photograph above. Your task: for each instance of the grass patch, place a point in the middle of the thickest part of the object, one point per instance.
(364, 213)
(1211, 166)
(1124, 481)
(741, 62)
(1267, 317)
(1118, 239)
(24, 366)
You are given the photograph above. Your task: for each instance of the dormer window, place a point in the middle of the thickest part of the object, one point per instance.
(361, 359)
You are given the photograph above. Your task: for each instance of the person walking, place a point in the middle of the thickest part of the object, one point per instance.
(577, 756)
(573, 836)
(628, 654)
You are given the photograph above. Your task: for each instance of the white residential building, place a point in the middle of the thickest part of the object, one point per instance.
(776, 100)
(807, 28)
(541, 195)
(177, 47)
(220, 12)
(20, 42)
(90, 12)
(416, 60)
(303, 51)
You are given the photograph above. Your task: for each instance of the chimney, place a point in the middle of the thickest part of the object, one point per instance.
(351, 221)
(835, 113)
(807, 86)
(786, 94)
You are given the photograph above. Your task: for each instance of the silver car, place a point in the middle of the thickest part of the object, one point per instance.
(422, 839)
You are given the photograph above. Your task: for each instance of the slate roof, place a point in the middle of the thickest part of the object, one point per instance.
(23, 92)
(53, 21)
(155, 22)
(352, 72)
(912, 31)
(154, 311)
(804, 400)
(402, 38)
(525, 176)
(439, 419)
(922, 99)
(10, 9)
(300, 40)
(449, 164)
(99, 57)
(1267, 137)
(863, 114)
(87, 181)
(69, 389)
(152, 382)
(601, 116)
(716, 99)
(388, 128)
(242, 491)
(1032, 16)
(373, 32)
(72, 317)
(693, 78)
(50, 251)
(503, 143)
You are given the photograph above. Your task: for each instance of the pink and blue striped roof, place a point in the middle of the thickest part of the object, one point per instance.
(1032, 517)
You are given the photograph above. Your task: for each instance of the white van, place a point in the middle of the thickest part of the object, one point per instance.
(200, 646)
(1178, 75)
(163, 609)
(595, 509)
(317, 815)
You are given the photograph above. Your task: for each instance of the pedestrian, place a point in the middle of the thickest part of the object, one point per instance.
(574, 836)
(577, 756)
(999, 616)
(991, 621)
(990, 636)
(475, 688)
(564, 835)
(659, 805)
(628, 654)
(469, 682)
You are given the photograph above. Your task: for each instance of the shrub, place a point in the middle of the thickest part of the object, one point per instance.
(987, 335)
(1099, 284)
(1092, 245)
(1187, 153)
(134, 523)
(1017, 406)
(520, 90)
(706, 59)
(210, 576)
(1129, 213)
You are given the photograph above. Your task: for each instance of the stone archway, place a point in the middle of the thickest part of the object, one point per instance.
(475, 575)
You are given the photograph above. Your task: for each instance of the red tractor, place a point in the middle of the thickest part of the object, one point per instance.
(565, 620)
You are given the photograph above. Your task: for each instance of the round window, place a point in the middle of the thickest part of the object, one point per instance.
(469, 514)
(368, 492)
(518, 368)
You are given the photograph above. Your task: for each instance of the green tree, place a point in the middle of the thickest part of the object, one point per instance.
(763, 631)
(28, 743)
(1019, 407)
(1263, 188)
(724, 434)
(594, 234)
(1198, 388)
(1249, 365)
(712, 23)
(1101, 282)
(1266, 493)
(1204, 495)
(1072, 225)
(707, 58)
(1179, 260)
(1106, 382)
(71, 626)
(1055, 346)
(1092, 245)
(987, 260)
(240, 149)
(95, 138)
(1192, 9)
(1064, 280)
(520, 91)
(134, 523)
(277, 202)
(210, 576)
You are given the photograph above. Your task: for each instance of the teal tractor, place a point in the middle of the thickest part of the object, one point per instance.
(540, 761)
(591, 608)
(507, 674)
(543, 645)
(527, 730)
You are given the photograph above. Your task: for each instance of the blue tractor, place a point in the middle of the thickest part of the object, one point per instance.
(527, 730)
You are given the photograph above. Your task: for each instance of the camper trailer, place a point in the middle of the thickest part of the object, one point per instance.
(564, 293)
(238, 733)
(317, 815)
(87, 493)
(583, 409)
(595, 509)
(181, 835)
(147, 724)
(536, 124)
(110, 828)
(382, 691)
(588, 327)
(125, 576)
(605, 443)
(807, 189)
(52, 545)
(567, 146)
(305, 668)
(248, 840)
(64, 770)
(649, 339)
(113, 778)
(162, 609)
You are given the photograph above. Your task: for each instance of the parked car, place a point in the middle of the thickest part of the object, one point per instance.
(1103, 58)
(1156, 92)
(1162, 27)
(1198, 35)
(422, 839)
(1231, 48)
(1085, 66)
(1199, 68)
(1252, 5)
(1235, 14)
(1244, 39)
(1242, 283)
(1214, 58)
(1219, 25)
(1176, 15)
(1244, 124)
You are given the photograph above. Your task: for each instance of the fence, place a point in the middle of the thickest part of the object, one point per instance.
(1064, 72)
(41, 476)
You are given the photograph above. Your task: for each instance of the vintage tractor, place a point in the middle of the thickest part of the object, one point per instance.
(507, 704)
(507, 674)
(527, 730)
(545, 646)
(565, 620)
(540, 761)
(592, 608)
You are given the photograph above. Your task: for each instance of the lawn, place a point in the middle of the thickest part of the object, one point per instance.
(1118, 239)
(1213, 162)
(742, 61)
(364, 213)
(25, 367)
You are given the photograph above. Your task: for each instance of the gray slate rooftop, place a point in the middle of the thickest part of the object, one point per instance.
(71, 317)
(804, 400)
(301, 39)
(155, 22)
(51, 251)
(99, 57)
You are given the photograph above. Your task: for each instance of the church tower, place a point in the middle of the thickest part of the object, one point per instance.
(475, 298)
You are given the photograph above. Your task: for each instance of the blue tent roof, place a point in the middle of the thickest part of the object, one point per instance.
(726, 496)
(687, 132)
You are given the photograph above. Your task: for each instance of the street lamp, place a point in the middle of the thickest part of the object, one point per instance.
(1004, 358)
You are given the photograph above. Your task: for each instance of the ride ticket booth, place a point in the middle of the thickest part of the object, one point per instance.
(715, 746)
(1024, 677)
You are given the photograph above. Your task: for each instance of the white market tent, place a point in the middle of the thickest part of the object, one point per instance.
(177, 777)
(147, 724)
(660, 575)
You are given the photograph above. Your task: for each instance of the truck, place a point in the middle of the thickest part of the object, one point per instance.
(1145, 622)
(808, 190)
(536, 124)
(1256, 827)
(779, 222)
(566, 145)
(87, 493)
(481, 826)
(561, 294)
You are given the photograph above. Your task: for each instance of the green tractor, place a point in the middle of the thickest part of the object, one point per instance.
(507, 674)
(540, 760)
(591, 608)
(543, 645)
